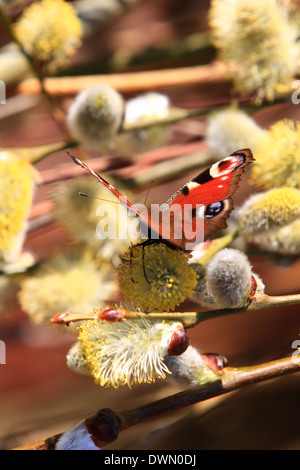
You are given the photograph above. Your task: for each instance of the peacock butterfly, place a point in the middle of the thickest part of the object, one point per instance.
(196, 210)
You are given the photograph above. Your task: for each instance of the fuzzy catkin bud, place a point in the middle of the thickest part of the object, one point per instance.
(76, 360)
(231, 129)
(229, 278)
(201, 294)
(76, 438)
(190, 368)
(95, 116)
(142, 109)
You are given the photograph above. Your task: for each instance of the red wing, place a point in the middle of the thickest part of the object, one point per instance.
(202, 206)
(189, 228)
(216, 183)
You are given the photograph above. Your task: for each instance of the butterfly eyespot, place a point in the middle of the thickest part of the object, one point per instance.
(213, 209)
(185, 190)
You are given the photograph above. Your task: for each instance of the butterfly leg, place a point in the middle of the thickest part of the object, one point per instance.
(143, 244)
(131, 256)
(143, 259)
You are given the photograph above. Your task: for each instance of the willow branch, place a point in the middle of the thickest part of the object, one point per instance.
(214, 73)
(174, 115)
(230, 380)
(38, 152)
(126, 82)
(260, 301)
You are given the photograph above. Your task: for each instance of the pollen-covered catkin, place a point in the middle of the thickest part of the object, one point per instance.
(269, 210)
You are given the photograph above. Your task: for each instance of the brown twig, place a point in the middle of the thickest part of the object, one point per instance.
(213, 73)
(259, 301)
(55, 110)
(230, 380)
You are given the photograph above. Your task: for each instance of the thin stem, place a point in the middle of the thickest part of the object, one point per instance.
(55, 110)
(191, 319)
(214, 246)
(165, 171)
(260, 301)
(213, 73)
(38, 153)
(46, 150)
(175, 115)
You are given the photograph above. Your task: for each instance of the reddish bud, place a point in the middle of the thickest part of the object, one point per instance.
(214, 361)
(112, 315)
(179, 342)
(253, 288)
(103, 427)
(59, 318)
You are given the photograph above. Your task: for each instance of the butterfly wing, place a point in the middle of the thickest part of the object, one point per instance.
(202, 205)
(196, 210)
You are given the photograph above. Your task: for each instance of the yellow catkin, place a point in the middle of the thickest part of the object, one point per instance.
(17, 187)
(49, 31)
(70, 281)
(277, 156)
(126, 353)
(156, 277)
(269, 210)
(258, 41)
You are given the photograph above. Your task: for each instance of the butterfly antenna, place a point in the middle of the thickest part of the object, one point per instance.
(122, 199)
(83, 165)
(143, 259)
(96, 197)
(148, 192)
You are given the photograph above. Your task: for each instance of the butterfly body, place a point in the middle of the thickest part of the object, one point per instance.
(196, 210)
